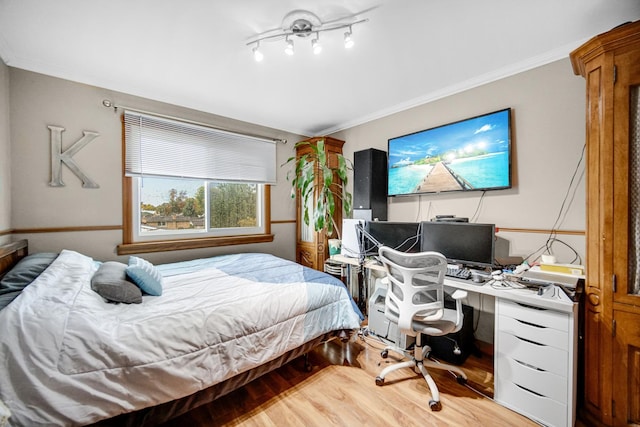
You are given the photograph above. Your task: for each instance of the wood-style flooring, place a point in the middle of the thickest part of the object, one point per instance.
(340, 390)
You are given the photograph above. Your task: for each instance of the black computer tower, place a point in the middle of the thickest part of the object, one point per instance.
(443, 347)
(370, 184)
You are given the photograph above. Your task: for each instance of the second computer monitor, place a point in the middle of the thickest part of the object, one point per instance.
(402, 236)
(470, 244)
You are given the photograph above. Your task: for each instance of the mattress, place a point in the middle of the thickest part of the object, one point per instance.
(70, 358)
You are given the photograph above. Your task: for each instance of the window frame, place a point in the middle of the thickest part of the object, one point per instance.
(131, 246)
(185, 234)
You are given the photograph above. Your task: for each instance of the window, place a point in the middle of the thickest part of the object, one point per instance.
(170, 207)
(190, 186)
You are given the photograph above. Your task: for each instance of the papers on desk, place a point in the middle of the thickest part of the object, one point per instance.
(554, 285)
(536, 276)
(571, 269)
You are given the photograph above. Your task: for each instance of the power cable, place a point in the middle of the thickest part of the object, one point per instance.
(474, 217)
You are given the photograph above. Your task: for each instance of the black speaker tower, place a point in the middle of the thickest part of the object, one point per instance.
(370, 184)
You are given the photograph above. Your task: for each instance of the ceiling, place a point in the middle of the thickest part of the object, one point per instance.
(194, 53)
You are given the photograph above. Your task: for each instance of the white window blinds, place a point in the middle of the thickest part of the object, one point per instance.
(156, 146)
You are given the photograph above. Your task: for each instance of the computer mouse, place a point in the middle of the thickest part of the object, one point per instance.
(477, 278)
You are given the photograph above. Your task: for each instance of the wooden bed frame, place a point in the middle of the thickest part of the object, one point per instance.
(13, 252)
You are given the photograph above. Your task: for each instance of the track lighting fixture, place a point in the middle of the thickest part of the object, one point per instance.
(315, 45)
(303, 24)
(348, 41)
(257, 55)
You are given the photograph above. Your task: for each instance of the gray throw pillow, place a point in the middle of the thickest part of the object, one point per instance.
(111, 282)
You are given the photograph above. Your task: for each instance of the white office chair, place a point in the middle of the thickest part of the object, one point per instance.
(415, 301)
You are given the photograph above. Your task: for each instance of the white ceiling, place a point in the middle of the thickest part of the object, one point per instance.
(193, 53)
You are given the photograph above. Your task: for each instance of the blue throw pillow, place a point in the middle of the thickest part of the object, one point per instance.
(145, 275)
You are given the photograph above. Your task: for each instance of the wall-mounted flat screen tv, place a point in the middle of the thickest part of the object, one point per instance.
(469, 155)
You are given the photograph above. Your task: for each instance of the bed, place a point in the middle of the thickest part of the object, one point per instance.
(68, 356)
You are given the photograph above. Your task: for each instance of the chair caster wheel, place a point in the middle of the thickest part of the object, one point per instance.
(379, 381)
(384, 354)
(435, 406)
(461, 380)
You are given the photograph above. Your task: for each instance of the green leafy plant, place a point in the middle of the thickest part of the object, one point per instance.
(330, 188)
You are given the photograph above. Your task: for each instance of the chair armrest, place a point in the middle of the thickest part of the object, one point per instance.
(459, 294)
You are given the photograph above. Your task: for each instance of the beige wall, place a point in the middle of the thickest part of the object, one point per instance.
(548, 136)
(38, 101)
(5, 155)
(548, 112)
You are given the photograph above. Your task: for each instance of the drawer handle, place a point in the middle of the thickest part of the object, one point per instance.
(529, 341)
(530, 324)
(530, 366)
(530, 391)
(531, 306)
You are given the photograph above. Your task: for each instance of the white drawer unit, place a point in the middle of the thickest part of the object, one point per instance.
(536, 361)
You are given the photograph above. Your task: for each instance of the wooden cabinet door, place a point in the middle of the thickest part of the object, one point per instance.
(596, 356)
(626, 239)
(626, 368)
(312, 248)
(626, 170)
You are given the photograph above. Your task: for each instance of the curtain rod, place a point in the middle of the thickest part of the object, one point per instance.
(107, 103)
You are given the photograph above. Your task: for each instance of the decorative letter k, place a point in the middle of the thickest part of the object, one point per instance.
(58, 157)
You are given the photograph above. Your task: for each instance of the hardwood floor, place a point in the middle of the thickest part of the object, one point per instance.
(340, 390)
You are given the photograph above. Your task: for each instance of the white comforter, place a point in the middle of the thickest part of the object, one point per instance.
(68, 357)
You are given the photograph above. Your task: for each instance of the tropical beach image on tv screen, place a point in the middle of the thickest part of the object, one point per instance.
(472, 154)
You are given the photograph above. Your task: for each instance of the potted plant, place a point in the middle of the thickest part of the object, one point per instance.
(320, 186)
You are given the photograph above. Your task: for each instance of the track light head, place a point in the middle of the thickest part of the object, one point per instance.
(348, 40)
(315, 45)
(257, 55)
(289, 50)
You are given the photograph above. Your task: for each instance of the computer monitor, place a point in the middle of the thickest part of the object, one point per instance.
(351, 246)
(470, 244)
(401, 236)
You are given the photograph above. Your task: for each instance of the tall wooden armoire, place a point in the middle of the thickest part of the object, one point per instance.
(610, 63)
(312, 248)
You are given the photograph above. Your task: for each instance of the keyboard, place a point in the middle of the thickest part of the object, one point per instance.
(458, 273)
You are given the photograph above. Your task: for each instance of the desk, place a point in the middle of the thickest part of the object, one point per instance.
(535, 348)
(535, 351)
